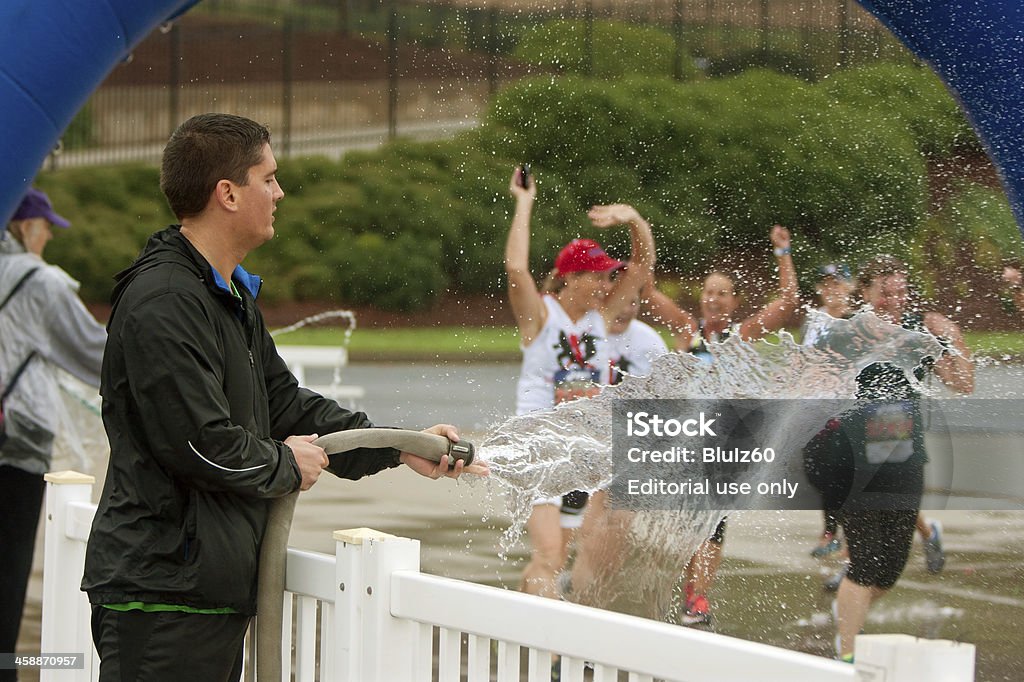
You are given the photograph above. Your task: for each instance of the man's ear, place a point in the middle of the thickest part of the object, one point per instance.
(224, 194)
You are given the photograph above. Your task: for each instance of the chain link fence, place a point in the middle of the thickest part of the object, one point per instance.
(332, 75)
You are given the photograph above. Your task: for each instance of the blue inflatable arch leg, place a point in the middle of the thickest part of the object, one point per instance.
(976, 47)
(53, 55)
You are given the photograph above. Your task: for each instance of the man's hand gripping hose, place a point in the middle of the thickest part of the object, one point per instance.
(274, 552)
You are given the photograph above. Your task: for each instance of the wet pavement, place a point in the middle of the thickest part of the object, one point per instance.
(769, 588)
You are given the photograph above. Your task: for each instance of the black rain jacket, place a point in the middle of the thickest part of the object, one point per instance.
(196, 404)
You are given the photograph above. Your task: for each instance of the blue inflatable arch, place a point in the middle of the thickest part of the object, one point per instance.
(977, 48)
(55, 53)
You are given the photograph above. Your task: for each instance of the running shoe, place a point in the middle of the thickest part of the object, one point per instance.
(934, 556)
(829, 545)
(832, 584)
(698, 611)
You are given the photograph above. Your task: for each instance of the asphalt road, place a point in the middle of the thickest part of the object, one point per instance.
(978, 598)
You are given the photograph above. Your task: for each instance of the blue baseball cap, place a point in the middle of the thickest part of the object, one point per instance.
(36, 204)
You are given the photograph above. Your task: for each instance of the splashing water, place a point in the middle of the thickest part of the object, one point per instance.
(568, 447)
(346, 315)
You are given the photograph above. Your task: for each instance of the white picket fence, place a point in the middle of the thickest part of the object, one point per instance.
(367, 614)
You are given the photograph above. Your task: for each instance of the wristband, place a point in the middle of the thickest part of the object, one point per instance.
(781, 251)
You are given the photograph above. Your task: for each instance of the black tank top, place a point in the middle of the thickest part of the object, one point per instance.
(699, 347)
(888, 428)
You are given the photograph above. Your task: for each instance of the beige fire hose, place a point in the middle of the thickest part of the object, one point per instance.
(274, 552)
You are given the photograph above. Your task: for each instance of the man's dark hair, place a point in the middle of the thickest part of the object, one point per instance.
(204, 150)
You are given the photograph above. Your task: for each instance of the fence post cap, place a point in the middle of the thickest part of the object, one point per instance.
(901, 639)
(357, 536)
(69, 478)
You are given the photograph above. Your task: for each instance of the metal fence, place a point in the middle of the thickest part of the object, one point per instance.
(331, 75)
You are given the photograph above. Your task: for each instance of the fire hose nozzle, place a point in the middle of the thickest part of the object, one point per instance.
(462, 450)
(427, 445)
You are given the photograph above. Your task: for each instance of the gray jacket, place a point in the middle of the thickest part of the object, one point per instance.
(45, 316)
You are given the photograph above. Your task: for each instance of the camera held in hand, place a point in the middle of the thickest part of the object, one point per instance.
(524, 176)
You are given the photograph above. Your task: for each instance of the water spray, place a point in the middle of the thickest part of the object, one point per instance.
(547, 453)
(347, 315)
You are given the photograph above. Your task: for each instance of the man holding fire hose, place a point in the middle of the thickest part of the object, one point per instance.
(205, 422)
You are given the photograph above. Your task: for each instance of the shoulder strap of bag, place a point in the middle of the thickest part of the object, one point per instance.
(24, 363)
(18, 285)
(17, 375)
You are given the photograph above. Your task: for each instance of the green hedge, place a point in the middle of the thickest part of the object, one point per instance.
(908, 96)
(715, 164)
(977, 221)
(712, 164)
(804, 64)
(113, 210)
(616, 49)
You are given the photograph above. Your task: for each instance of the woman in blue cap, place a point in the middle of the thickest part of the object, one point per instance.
(833, 290)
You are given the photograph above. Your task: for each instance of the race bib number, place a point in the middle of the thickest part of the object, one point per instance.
(889, 432)
(576, 382)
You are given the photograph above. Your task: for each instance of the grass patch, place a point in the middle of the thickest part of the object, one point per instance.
(494, 344)
(420, 343)
(995, 344)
